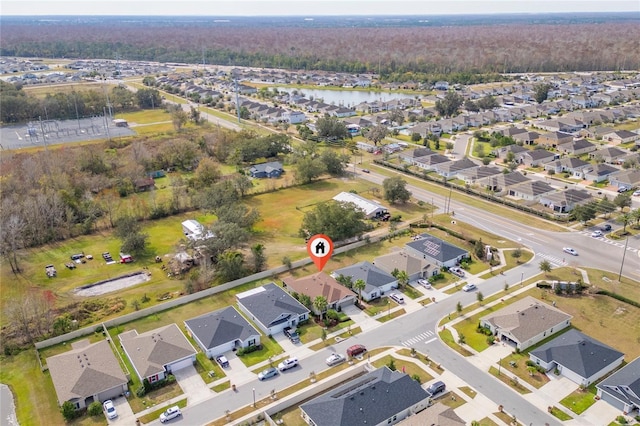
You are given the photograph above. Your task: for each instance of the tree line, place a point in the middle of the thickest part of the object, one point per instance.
(20, 107)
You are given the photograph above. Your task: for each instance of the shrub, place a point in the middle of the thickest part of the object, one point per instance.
(332, 315)
(141, 391)
(416, 378)
(95, 408)
(69, 411)
(490, 340)
(622, 420)
(543, 284)
(248, 349)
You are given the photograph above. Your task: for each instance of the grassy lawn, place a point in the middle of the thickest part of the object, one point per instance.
(409, 367)
(487, 422)
(329, 342)
(468, 391)
(311, 330)
(509, 381)
(520, 359)
(561, 415)
(221, 387)
(394, 314)
(452, 400)
(507, 419)
(424, 359)
(155, 414)
(447, 338)
(207, 369)
(579, 401)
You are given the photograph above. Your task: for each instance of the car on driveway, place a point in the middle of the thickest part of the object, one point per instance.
(109, 409)
(170, 413)
(457, 271)
(570, 250)
(424, 283)
(436, 388)
(292, 334)
(597, 234)
(469, 287)
(335, 359)
(288, 363)
(223, 361)
(397, 297)
(268, 373)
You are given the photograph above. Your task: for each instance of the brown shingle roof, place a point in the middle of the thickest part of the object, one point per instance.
(319, 284)
(85, 370)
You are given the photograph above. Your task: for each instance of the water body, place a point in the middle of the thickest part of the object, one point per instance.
(347, 98)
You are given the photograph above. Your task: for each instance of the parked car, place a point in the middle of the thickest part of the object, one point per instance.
(457, 271)
(335, 359)
(597, 234)
(636, 193)
(288, 363)
(570, 250)
(365, 170)
(622, 189)
(268, 373)
(606, 227)
(223, 361)
(109, 409)
(424, 283)
(396, 297)
(292, 334)
(356, 350)
(469, 287)
(436, 388)
(170, 413)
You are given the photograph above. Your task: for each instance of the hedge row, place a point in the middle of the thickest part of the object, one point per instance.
(619, 297)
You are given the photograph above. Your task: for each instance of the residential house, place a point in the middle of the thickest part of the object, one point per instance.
(622, 136)
(554, 139)
(144, 184)
(411, 155)
(437, 414)
(503, 181)
(193, 230)
(378, 282)
(535, 157)
(530, 190)
(450, 169)
(294, 117)
(572, 165)
(622, 388)
(381, 397)
(272, 169)
(415, 267)
(371, 209)
(439, 252)
(87, 373)
(321, 284)
(526, 322)
(471, 176)
(599, 172)
(565, 201)
(578, 357)
(431, 161)
(577, 147)
(625, 179)
(272, 308)
(503, 151)
(158, 352)
(526, 138)
(512, 131)
(608, 154)
(222, 331)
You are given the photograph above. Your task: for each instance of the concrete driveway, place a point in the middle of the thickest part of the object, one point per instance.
(125, 413)
(192, 384)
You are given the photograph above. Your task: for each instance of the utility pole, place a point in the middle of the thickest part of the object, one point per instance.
(623, 255)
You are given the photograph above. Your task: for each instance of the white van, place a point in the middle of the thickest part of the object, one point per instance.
(397, 297)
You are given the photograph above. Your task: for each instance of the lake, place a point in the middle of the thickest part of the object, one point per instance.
(348, 98)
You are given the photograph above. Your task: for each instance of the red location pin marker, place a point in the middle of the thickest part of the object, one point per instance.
(320, 248)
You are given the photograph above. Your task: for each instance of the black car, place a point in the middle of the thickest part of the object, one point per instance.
(436, 388)
(606, 227)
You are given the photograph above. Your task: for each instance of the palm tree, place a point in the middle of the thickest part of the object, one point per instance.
(359, 285)
(320, 303)
(635, 214)
(403, 278)
(624, 219)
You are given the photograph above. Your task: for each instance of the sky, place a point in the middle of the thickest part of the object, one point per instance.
(307, 7)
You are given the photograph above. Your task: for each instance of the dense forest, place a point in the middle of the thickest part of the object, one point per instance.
(525, 46)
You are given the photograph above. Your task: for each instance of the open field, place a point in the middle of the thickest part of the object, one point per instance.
(41, 91)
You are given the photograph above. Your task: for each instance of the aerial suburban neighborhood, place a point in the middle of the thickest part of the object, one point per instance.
(479, 220)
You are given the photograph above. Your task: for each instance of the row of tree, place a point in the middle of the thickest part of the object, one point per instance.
(20, 107)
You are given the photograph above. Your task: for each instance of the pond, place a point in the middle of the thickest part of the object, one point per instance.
(348, 98)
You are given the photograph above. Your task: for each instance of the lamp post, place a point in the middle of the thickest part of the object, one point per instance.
(389, 307)
(254, 397)
(521, 278)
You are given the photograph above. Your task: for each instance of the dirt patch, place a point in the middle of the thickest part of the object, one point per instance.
(107, 286)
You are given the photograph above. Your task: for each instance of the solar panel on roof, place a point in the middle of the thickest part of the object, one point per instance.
(431, 248)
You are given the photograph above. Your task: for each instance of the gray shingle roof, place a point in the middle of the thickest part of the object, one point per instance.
(85, 370)
(578, 352)
(270, 304)
(436, 248)
(371, 274)
(624, 384)
(370, 399)
(220, 327)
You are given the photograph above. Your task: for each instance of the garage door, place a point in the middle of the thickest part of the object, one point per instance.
(181, 364)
